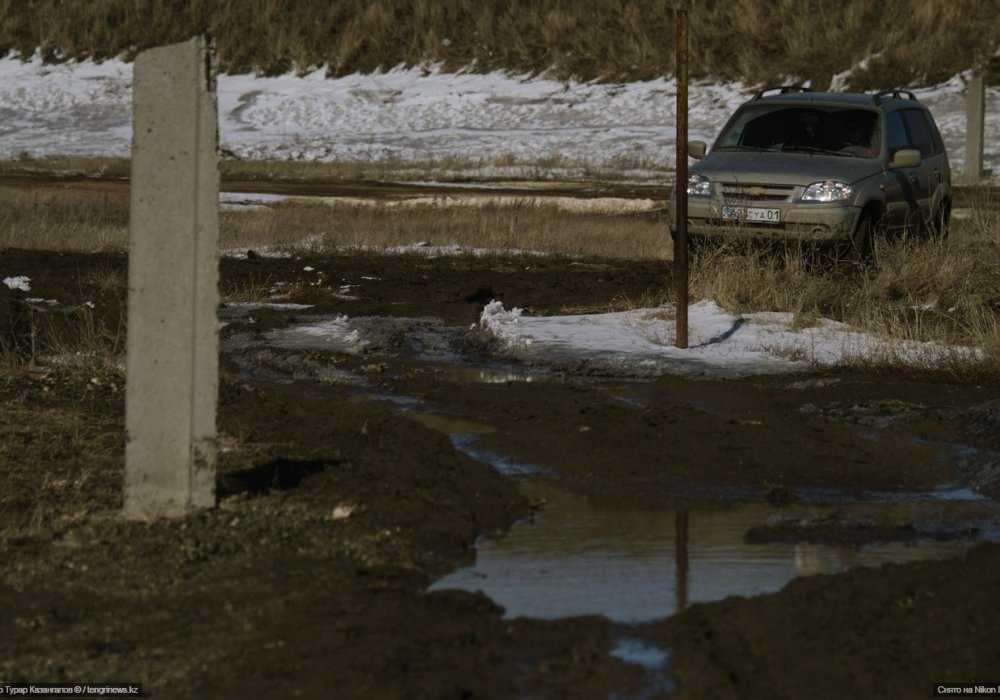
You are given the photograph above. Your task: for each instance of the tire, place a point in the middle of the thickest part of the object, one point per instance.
(859, 248)
(695, 243)
(937, 227)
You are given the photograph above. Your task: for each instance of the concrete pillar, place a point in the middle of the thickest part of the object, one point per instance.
(975, 125)
(172, 358)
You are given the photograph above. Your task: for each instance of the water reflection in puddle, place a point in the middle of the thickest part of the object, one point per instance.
(486, 375)
(635, 565)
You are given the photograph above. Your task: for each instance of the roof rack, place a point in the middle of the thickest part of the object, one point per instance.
(782, 90)
(895, 93)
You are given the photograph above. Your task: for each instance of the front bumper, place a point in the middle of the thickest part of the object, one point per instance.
(813, 222)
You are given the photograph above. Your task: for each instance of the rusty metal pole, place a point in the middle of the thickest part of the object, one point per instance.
(680, 240)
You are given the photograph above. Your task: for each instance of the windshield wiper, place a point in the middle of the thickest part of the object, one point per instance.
(743, 147)
(815, 149)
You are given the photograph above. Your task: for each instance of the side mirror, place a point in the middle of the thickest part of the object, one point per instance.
(905, 158)
(697, 149)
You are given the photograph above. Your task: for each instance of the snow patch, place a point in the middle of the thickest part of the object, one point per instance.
(335, 334)
(20, 283)
(720, 344)
(502, 324)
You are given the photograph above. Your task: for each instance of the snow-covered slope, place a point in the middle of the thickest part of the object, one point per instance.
(493, 120)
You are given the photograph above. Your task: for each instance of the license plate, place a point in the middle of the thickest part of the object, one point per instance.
(757, 214)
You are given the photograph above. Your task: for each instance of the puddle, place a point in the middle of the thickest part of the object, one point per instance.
(582, 557)
(632, 565)
(457, 428)
(652, 659)
(450, 425)
(485, 374)
(503, 464)
(629, 401)
(946, 492)
(636, 651)
(264, 365)
(331, 334)
(399, 401)
(241, 309)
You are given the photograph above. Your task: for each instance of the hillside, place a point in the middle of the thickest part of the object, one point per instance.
(894, 42)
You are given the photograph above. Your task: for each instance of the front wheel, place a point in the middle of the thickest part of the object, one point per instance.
(695, 243)
(859, 248)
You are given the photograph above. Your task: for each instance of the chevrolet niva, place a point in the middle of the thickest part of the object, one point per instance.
(821, 167)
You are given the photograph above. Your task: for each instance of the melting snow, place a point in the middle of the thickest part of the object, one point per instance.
(333, 334)
(21, 283)
(406, 115)
(640, 342)
(720, 344)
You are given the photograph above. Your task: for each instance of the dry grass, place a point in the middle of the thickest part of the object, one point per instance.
(941, 290)
(54, 219)
(512, 226)
(50, 219)
(907, 42)
(76, 339)
(917, 289)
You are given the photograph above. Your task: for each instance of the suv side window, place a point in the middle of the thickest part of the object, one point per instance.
(920, 134)
(895, 131)
(935, 134)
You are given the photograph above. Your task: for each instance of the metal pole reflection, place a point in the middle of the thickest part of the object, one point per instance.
(681, 558)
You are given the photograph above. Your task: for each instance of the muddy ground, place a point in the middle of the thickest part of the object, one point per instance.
(337, 509)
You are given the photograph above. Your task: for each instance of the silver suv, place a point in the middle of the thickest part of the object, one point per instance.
(821, 167)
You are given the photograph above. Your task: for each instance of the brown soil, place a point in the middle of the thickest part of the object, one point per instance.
(376, 189)
(335, 512)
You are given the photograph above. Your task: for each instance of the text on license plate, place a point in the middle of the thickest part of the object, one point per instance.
(770, 216)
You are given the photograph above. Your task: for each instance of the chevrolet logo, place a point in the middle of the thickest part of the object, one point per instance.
(754, 191)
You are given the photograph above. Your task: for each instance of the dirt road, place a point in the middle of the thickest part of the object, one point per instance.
(354, 188)
(339, 504)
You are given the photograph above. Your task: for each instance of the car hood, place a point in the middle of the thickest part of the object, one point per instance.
(783, 168)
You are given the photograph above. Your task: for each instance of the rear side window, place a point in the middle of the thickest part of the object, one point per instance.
(935, 134)
(913, 128)
(920, 132)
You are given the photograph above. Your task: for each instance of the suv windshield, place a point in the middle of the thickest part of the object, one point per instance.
(813, 129)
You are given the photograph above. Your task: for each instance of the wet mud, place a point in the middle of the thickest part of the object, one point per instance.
(374, 189)
(357, 476)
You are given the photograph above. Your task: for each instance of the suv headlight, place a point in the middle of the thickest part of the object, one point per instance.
(699, 186)
(828, 191)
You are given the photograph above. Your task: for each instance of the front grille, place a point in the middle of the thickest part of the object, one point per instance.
(745, 225)
(739, 193)
(735, 198)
